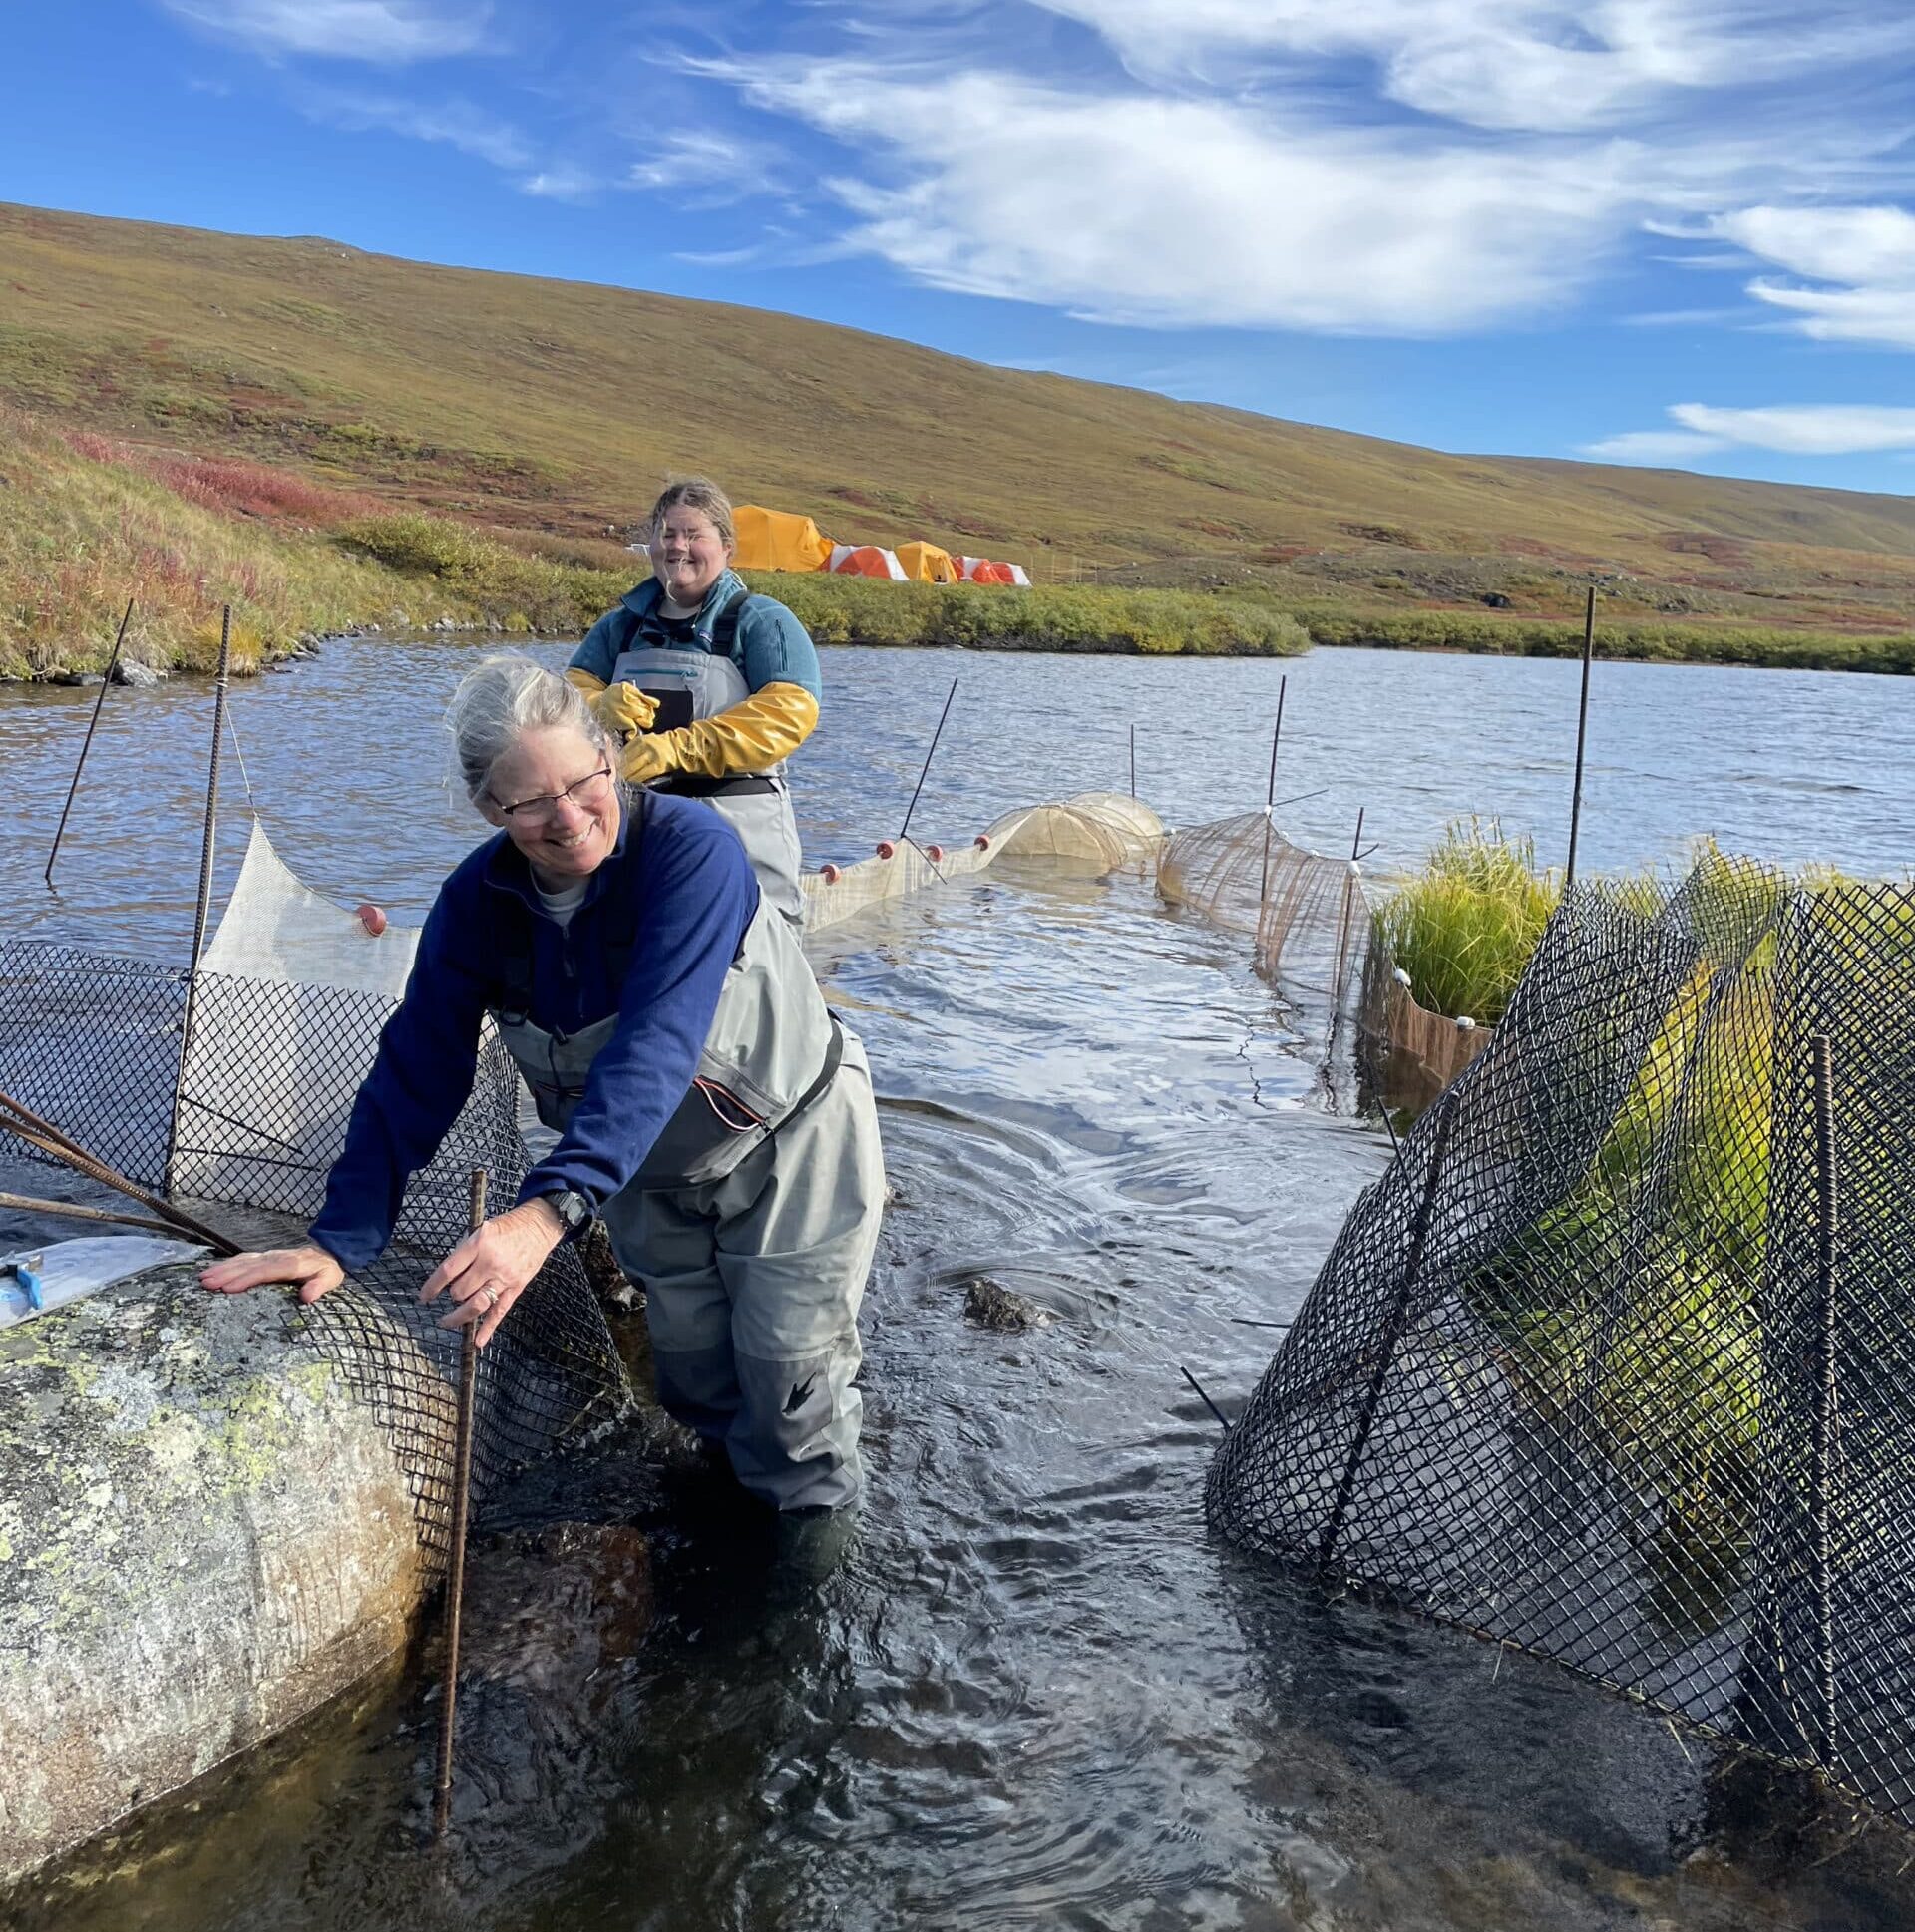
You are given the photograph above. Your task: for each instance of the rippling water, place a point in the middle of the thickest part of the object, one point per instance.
(1032, 1693)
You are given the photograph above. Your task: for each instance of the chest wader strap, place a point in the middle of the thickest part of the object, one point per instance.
(683, 784)
(834, 1060)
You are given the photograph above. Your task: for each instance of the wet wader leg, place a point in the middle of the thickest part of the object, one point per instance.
(798, 1226)
(666, 1241)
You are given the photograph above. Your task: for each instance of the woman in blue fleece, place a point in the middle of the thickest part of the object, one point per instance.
(709, 1108)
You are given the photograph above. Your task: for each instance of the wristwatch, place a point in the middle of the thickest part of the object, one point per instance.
(571, 1208)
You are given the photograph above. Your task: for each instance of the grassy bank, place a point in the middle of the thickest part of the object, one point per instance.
(1693, 643)
(86, 520)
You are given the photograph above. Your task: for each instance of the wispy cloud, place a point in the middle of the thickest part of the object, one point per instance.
(1147, 208)
(1513, 64)
(383, 32)
(1793, 429)
(456, 124)
(713, 166)
(562, 182)
(1856, 264)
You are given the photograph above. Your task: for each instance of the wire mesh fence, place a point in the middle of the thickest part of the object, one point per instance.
(265, 1089)
(1615, 1362)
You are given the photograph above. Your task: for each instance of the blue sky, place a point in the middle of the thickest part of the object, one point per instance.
(1679, 231)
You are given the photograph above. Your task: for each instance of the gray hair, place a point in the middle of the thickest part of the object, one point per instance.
(498, 700)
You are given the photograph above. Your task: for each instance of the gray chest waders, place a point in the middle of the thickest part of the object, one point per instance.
(752, 1221)
(694, 684)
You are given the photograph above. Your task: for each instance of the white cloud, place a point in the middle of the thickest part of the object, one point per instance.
(1145, 209)
(456, 124)
(1654, 446)
(1793, 429)
(562, 182)
(714, 167)
(1516, 64)
(384, 32)
(1858, 265)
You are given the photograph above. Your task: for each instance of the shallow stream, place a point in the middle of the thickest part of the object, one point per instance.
(1032, 1692)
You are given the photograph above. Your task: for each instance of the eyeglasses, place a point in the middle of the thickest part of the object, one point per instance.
(588, 792)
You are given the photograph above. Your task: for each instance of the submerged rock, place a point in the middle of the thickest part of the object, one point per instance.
(204, 1535)
(993, 1306)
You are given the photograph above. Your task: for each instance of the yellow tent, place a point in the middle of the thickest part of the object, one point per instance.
(775, 539)
(927, 563)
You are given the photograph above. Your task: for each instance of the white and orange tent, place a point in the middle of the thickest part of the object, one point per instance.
(778, 540)
(866, 560)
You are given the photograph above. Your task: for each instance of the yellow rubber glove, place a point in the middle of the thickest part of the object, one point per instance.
(625, 710)
(622, 709)
(752, 736)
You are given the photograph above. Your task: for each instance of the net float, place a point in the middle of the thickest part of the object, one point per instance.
(886, 848)
(372, 918)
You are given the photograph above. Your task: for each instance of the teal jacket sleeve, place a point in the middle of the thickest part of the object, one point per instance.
(774, 648)
(601, 650)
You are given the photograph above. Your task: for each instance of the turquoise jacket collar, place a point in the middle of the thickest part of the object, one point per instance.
(644, 598)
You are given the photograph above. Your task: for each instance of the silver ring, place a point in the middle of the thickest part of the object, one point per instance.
(491, 1294)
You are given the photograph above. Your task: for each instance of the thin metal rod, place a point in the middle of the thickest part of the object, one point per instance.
(1270, 795)
(1205, 1400)
(461, 1510)
(1828, 1219)
(86, 743)
(205, 902)
(26, 1125)
(1392, 1336)
(73, 1211)
(1582, 737)
(1133, 761)
(929, 756)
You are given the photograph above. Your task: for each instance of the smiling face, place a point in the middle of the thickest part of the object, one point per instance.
(568, 833)
(688, 555)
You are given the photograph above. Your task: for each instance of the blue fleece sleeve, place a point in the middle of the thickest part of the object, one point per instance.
(420, 1079)
(775, 649)
(697, 895)
(599, 652)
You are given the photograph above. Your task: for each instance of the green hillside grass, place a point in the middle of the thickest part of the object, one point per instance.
(533, 411)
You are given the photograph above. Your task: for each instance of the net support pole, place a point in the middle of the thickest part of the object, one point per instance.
(203, 904)
(1821, 1059)
(1133, 761)
(1270, 805)
(1345, 919)
(1582, 737)
(1392, 1336)
(461, 1514)
(929, 756)
(86, 745)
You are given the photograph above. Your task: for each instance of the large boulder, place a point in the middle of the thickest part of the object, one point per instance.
(204, 1535)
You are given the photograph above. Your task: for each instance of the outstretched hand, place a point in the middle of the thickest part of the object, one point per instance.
(490, 1269)
(309, 1268)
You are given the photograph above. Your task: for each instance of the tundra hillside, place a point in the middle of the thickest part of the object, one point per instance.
(523, 410)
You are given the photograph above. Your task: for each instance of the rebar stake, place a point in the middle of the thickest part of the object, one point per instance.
(1582, 736)
(202, 906)
(86, 745)
(1392, 1336)
(456, 1559)
(1821, 1058)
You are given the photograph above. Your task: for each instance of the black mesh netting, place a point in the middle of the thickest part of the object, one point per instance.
(1612, 1364)
(93, 1044)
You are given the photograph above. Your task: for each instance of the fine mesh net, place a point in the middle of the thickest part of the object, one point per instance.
(1104, 829)
(1312, 919)
(92, 1043)
(1614, 1364)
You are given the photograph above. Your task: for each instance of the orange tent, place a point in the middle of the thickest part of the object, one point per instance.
(777, 539)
